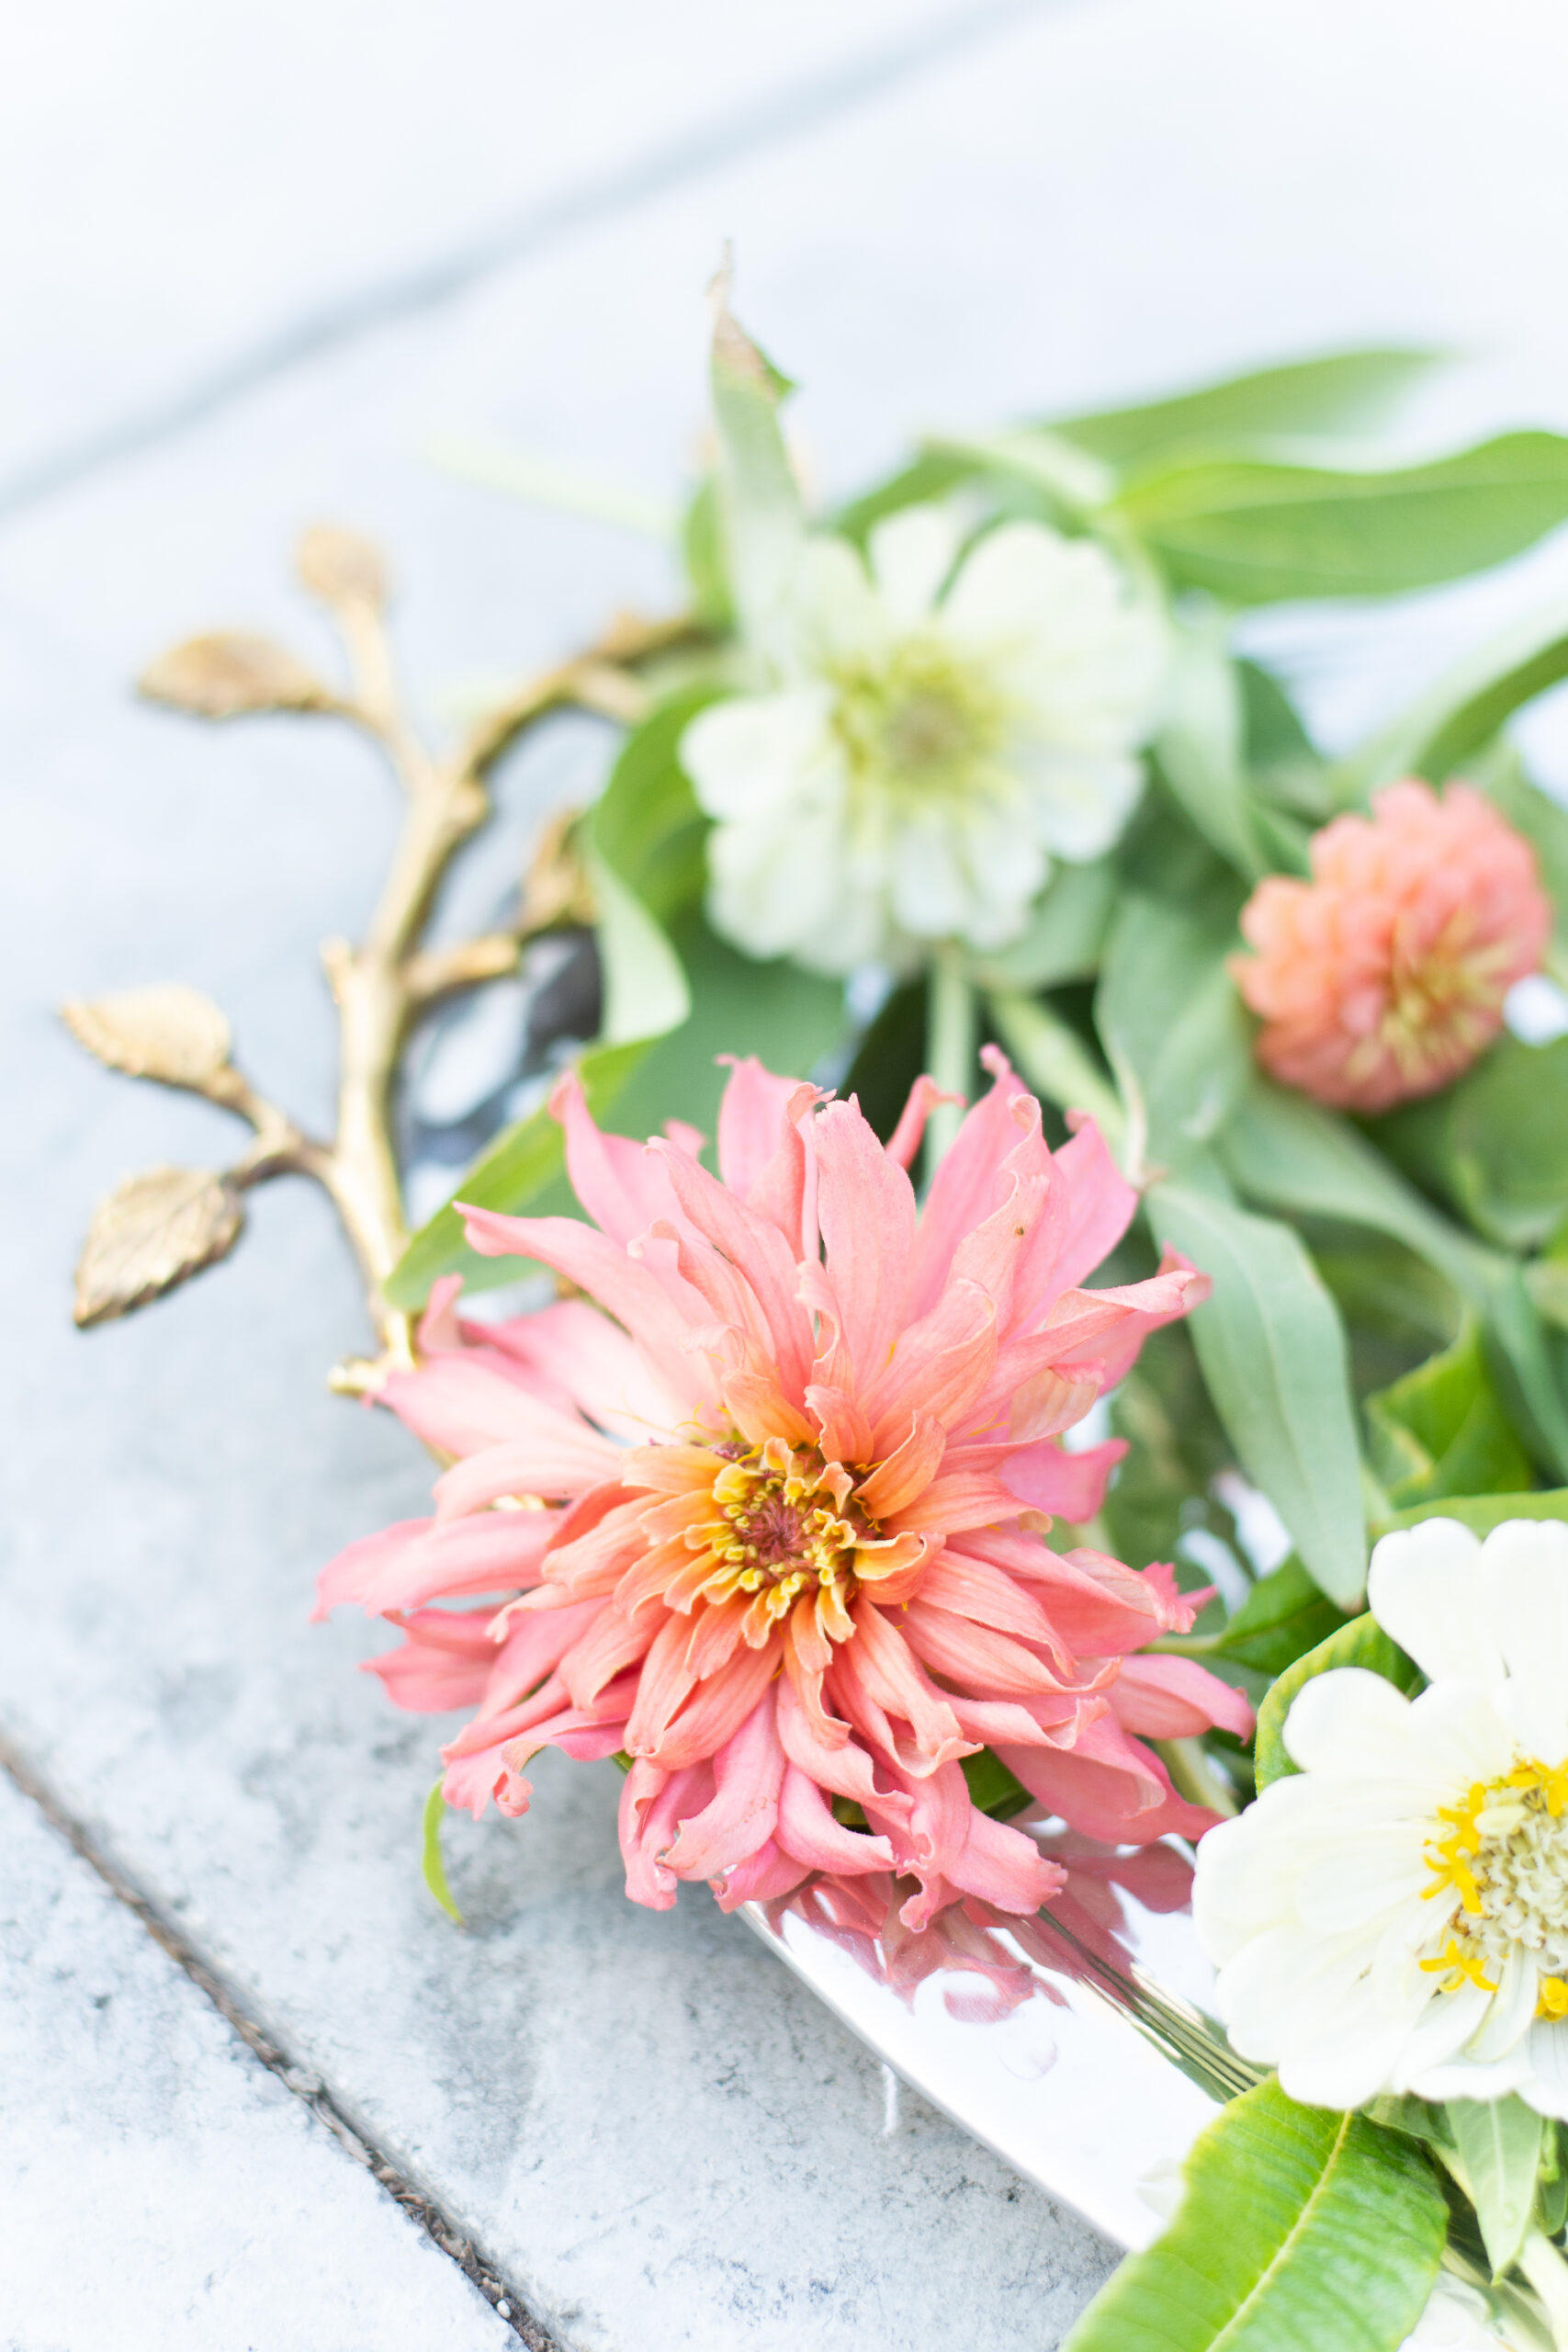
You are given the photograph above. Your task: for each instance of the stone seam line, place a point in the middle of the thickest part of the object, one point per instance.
(740, 134)
(303, 2083)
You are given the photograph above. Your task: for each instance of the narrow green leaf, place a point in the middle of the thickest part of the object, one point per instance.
(1055, 1061)
(1281, 1618)
(764, 527)
(1345, 390)
(1072, 485)
(1170, 1020)
(1255, 532)
(926, 481)
(646, 823)
(1481, 1513)
(702, 550)
(1497, 2142)
(434, 1867)
(1301, 2231)
(1200, 747)
(1361, 1643)
(645, 992)
(1272, 1349)
(1461, 713)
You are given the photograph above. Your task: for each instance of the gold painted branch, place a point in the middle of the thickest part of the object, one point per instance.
(155, 1230)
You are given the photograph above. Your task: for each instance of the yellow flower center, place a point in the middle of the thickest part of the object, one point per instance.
(1504, 1851)
(784, 1524)
(919, 722)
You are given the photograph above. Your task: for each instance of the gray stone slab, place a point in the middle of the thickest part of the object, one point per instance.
(162, 2191)
(641, 2118)
(187, 193)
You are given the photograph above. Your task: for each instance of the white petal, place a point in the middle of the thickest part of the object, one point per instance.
(1345, 2068)
(1458, 1732)
(1372, 1873)
(765, 880)
(1463, 2078)
(1078, 801)
(1547, 2050)
(835, 609)
(1524, 1580)
(1535, 1708)
(758, 751)
(1509, 2011)
(1425, 1589)
(912, 555)
(1440, 2033)
(1350, 1720)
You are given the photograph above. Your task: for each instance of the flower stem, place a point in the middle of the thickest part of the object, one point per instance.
(949, 1047)
(1193, 1777)
(1544, 2267)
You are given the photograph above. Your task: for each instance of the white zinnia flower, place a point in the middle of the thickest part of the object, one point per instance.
(922, 756)
(1395, 1918)
(1456, 2320)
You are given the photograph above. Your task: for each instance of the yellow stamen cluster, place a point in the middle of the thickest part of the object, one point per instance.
(1504, 1851)
(784, 1525)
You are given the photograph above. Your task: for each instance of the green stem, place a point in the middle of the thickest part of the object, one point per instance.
(1193, 1776)
(949, 1047)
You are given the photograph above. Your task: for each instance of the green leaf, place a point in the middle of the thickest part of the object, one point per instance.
(1441, 1429)
(1361, 1643)
(1272, 1350)
(1502, 1142)
(1170, 1020)
(1498, 2147)
(1543, 823)
(1301, 2231)
(1256, 533)
(645, 988)
(646, 823)
(1055, 1061)
(1070, 485)
(434, 1867)
(1461, 714)
(1481, 1513)
(1066, 930)
(763, 528)
(1347, 390)
(1282, 1617)
(992, 1788)
(1200, 747)
(928, 480)
(702, 550)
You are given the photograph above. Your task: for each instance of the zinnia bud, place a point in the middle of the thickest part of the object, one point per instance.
(1384, 976)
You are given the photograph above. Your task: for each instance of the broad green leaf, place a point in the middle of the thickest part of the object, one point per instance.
(992, 1787)
(1282, 1617)
(1164, 1487)
(1291, 1153)
(1361, 1643)
(764, 527)
(1066, 930)
(1071, 485)
(928, 480)
(1497, 2143)
(1170, 1020)
(1481, 1513)
(1301, 2231)
(1459, 715)
(1201, 745)
(1280, 752)
(434, 1867)
(702, 549)
(1344, 391)
(646, 823)
(1256, 533)
(1055, 1061)
(645, 990)
(1502, 1142)
(1543, 822)
(1441, 1429)
(1272, 1349)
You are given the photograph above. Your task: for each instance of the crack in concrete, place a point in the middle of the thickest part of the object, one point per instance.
(302, 2082)
(742, 133)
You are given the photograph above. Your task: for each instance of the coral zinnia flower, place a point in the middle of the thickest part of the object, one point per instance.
(786, 1556)
(1384, 976)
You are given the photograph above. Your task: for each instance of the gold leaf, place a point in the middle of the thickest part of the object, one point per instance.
(223, 675)
(169, 1031)
(150, 1232)
(341, 568)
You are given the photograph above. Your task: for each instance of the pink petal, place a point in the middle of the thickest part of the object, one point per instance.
(909, 1133)
(865, 1205)
(754, 1106)
(1173, 1698)
(808, 1830)
(740, 1816)
(622, 1186)
(416, 1561)
(1069, 1485)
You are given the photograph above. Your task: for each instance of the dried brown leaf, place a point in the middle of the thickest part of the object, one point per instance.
(151, 1232)
(224, 676)
(341, 567)
(168, 1032)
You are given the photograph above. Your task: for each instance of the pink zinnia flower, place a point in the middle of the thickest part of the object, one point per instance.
(788, 1554)
(1384, 976)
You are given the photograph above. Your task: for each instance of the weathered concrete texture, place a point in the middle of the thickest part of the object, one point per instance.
(162, 2191)
(653, 2129)
(188, 193)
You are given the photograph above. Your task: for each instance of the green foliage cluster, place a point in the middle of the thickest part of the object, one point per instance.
(1387, 1334)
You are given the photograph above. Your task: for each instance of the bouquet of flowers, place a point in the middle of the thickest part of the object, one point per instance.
(965, 918)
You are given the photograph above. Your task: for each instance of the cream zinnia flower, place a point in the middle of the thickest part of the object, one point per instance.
(924, 756)
(1395, 1918)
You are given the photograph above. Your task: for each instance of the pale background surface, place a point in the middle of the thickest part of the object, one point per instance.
(253, 262)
